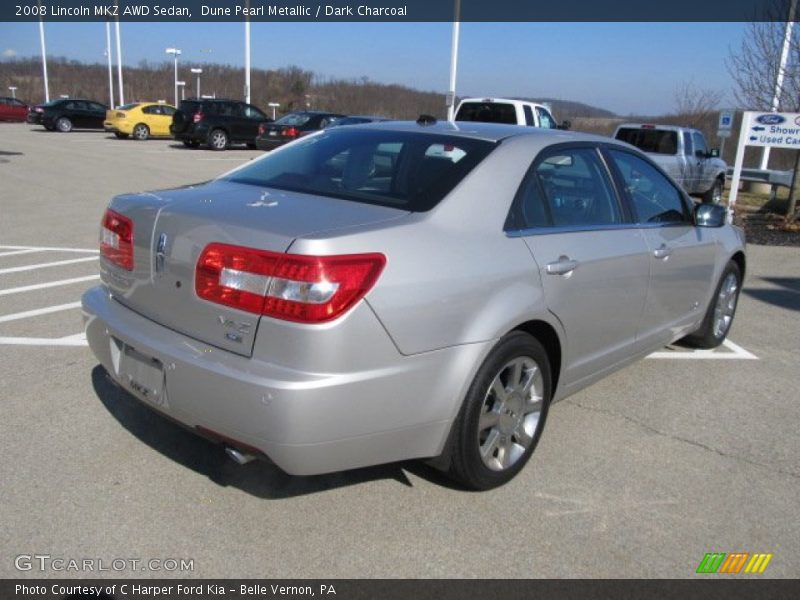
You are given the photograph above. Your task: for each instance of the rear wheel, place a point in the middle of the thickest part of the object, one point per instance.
(64, 125)
(720, 313)
(714, 195)
(503, 414)
(218, 140)
(141, 132)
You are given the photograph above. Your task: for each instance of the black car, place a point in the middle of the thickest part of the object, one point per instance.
(292, 126)
(217, 123)
(68, 114)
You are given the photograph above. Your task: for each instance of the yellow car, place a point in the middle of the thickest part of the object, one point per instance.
(140, 120)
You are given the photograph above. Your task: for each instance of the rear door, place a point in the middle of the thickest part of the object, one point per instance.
(681, 255)
(593, 261)
(95, 115)
(252, 118)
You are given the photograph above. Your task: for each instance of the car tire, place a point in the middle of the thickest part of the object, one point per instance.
(721, 310)
(503, 414)
(141, 132)
(120, 135)
(63, 124)
(218, 139)
(714, 194)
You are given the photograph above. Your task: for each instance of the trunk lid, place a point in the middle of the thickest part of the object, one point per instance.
(172, 227)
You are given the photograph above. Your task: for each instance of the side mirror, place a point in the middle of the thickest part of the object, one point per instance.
(565, 125)
(710, 215)
(714, 153)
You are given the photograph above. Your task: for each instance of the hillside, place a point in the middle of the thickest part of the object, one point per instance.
(292, 87)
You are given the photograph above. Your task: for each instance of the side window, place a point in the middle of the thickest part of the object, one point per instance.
(699, 142)
(71, 106)
(687, 144)
(655, 199)
(568, 188)
(528, 115)
(4, 101)
(546, 120)
(94, 106)
(251, 112)
(151, 110)
(167, 110)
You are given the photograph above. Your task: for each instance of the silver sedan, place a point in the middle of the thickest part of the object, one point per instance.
(401, 290)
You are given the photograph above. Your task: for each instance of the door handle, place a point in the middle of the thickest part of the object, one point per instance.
(663, 251)
(563, 266)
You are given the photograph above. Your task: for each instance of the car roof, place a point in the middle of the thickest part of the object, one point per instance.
(654, 126)
(490, 100)
(493, 132)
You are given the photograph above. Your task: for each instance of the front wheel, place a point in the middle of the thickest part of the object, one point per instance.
(714, 195)
(141, 132)
(503, 414)
(719, 316)
(64, 125)
(218, 140)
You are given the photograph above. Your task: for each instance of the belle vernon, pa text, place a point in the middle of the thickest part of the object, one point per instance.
(157, 10)
(206, 590)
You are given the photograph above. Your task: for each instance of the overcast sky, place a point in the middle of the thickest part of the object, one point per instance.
(628, 68)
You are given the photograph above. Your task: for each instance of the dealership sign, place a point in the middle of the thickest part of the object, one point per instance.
(766, 130)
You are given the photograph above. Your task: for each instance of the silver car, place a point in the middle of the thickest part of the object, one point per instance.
(392, 291)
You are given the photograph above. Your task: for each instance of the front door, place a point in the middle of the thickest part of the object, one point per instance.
(593, 262)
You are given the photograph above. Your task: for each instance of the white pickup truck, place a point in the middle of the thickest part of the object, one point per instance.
(683, 154)
(510, 111)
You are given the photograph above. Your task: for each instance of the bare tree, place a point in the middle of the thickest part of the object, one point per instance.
(695, 104)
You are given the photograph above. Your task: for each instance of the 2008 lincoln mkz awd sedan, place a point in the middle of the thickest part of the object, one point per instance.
(405, 290)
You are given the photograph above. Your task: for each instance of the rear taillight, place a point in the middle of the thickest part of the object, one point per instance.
(38, 109)
(292, 287)
(116, 239)
(290, 132)
(198, 116)
(261, 130)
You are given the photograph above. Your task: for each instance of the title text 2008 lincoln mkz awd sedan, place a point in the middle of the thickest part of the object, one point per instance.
(405, 290)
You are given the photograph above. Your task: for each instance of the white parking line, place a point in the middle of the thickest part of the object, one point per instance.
(41, 286)
(57, 263)
(51, 249)
(737, 352)
(78, 339)
(38, 311)
(18, 252)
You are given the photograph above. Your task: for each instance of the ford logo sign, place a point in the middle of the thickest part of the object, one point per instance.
(770, 119)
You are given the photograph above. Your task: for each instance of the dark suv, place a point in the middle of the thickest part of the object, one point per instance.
(217, 123)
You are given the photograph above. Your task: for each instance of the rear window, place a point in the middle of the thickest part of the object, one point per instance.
(128, 106)
(656, 141)
(190, 107)
(295, 119)
(406, 170)
(487, 112)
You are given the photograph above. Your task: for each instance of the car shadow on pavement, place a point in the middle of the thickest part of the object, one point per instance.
(258, 478)
(788, 296)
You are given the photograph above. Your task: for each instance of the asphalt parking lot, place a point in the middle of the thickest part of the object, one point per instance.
(639, 475)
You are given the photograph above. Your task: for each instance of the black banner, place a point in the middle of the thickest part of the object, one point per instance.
(395, 10)
(702, 588)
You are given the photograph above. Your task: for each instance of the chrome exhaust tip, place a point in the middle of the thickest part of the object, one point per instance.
(237, 456)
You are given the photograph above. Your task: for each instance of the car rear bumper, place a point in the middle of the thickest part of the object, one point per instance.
(263, 143)
(305, 422)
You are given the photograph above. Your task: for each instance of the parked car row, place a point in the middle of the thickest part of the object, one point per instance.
(215, 123)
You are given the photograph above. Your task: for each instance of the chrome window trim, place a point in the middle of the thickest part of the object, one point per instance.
(514, 233)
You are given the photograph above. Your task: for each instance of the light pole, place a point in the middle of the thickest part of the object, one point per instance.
(198, 72)
(44, 57)
(247, 56)
(13, 90)
(110, 67)
(273, 106)
(119, 62)
(451, 93)
(182, 85)
(175, 53)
